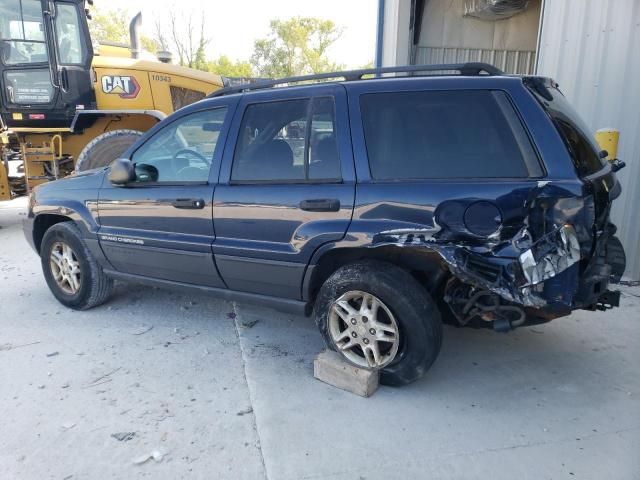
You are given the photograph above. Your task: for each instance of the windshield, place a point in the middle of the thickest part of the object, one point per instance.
(22, 38)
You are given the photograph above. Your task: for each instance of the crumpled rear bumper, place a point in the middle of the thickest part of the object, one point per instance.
(544, 274)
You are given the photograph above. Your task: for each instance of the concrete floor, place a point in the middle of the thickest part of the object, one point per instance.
(225, 390)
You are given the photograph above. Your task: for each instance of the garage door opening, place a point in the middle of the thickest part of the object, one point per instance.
(503, 33)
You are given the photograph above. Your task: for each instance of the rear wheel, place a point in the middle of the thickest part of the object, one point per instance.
(72, 274)
(105, 148)
(377, 316)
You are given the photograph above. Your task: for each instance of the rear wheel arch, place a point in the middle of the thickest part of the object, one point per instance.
(412, 318)
(425, 265)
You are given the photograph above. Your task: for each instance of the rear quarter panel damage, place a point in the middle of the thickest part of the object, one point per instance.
(540, 230)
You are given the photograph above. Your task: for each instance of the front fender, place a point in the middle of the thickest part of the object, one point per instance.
(74, 198)
(81, 213)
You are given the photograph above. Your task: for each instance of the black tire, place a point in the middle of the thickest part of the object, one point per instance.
(414, 310)
(95, 286)
(105, 148)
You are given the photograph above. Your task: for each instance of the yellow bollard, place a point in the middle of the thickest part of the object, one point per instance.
(608, 138)
(5, 189)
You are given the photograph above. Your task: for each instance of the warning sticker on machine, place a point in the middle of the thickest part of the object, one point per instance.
(123, 85)
(32, 95)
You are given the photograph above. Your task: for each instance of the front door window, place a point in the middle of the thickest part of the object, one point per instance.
(182, 151)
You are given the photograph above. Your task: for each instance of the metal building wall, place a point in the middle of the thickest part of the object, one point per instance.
(592, 49)
(509, 61)
(447, 35)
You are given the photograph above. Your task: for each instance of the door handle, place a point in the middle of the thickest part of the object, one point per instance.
(64, 79)
(191, 203)
(320, 205)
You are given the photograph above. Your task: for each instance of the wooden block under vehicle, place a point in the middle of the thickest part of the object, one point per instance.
(329, 367)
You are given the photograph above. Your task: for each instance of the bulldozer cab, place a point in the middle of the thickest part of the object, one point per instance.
(45, 63)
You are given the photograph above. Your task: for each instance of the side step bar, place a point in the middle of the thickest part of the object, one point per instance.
(288, 305)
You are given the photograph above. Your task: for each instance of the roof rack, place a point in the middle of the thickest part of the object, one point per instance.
(466, 69)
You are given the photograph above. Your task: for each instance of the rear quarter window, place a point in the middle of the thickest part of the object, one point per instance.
(445, 134)
(574, 132)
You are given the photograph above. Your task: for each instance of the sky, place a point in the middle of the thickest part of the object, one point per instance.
(233, 25)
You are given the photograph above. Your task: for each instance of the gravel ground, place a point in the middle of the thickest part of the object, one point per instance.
(222, 390)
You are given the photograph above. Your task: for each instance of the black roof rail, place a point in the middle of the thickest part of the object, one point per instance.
(466, 69)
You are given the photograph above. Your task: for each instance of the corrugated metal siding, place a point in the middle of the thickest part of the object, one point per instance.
(509, 61)
(447, 35)
(592, 49)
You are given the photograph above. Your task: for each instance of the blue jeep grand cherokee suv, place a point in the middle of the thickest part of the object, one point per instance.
(382, 205)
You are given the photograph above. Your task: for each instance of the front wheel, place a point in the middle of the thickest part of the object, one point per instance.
(377, 316)
(72, 274)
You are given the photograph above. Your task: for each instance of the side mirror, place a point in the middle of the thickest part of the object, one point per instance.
(121, 172)
(146, 172)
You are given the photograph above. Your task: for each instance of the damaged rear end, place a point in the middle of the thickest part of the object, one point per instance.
(525, 251)
(566, 254)
(573, 268)
(558, 261)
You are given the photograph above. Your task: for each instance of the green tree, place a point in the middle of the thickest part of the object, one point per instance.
(223, 65)
(113, 26)
(150, 44)
(109, 25)
(296, 47)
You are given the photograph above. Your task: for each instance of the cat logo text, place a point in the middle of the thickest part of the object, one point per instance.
(125, 86)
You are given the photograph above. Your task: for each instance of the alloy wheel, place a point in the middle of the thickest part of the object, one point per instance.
(364, 330)
(65, 268)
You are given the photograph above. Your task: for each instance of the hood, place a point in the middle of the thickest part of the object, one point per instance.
(88, 179)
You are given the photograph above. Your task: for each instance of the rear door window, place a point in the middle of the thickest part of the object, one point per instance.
(287, 141)
(445, 134)
(323, 145)
(271, 143)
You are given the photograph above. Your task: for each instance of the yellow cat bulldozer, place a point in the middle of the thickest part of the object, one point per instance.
(66, 107)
